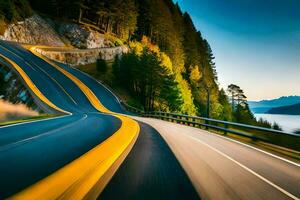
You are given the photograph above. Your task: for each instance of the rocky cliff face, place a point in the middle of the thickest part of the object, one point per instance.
(82, 56)
(82, 37)
(89, 45)
(36, 30)
(33, 30)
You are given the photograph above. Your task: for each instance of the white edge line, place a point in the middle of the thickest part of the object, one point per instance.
(28, 122)
(248, 169)
(43, 134)
(260, 150)
(249, 146)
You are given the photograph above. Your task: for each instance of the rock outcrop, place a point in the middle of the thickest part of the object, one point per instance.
(33, 30)
(82, 37)
(89, 44)
(82, 56)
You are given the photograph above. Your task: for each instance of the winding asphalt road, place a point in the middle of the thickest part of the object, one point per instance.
(169, 161)
(223, 168)
(32, 153)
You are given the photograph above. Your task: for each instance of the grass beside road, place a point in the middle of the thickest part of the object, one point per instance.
(276, 144)
(267, 146)
(108, 79)
(27, 119)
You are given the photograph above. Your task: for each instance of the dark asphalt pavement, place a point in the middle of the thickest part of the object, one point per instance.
(150, 171)
(32, 151)
(29, 152)
(108, 99)
(36, 154)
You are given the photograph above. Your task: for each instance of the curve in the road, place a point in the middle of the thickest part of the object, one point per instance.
(112, 149)
(32, 86)
(161, 176)
(85, 177)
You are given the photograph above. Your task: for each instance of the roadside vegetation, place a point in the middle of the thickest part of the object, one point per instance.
(16, 103)
(170, 65)
(12, 11)
(26, 119)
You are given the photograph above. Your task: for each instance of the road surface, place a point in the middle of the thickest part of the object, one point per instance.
(221, 168)
(92, 149)
(38, 159)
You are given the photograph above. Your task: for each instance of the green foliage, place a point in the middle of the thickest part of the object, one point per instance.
(241, 112)
(188, 107)
(240, 109)
(276, 126)
(14, 10)
(143, 72)
(109, 16)
(101, 65)
(226, 109)
(180, 48)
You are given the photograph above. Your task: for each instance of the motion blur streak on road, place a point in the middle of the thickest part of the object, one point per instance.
(150, 172)
(30, 154)
(39, 142)
(221, 168)
(62, 158)
(79, 155)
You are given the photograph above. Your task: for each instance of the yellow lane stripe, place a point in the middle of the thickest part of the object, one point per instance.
(41, 70)
(32, 86)
(6, 49)
(88, 93)
(77, 180)
(57, 83)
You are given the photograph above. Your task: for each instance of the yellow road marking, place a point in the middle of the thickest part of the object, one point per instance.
(59, 85)
(32, 86)
(77, 179)
(6, 49)
(41, 70)
(88, 93)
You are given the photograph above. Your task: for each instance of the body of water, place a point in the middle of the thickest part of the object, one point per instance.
(288, 123)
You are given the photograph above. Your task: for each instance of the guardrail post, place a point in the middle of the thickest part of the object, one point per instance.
(206, 122)
(226, 127)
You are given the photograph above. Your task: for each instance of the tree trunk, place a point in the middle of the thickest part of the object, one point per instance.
(207, 103)
(107, 25)
(80, 15)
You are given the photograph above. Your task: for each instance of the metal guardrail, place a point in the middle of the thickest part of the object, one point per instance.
(280, 138)
(133, 110)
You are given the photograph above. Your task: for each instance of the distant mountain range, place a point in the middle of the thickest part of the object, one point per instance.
(275, 105)
(286, 110)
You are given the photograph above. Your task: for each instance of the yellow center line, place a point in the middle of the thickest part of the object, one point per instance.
(78, 179)
(32, 86)
(41, 70)
(6, 49)
(59, 85)
(88, 93)
(75, 180)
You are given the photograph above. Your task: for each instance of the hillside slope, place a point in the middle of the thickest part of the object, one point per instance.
(170, 33)
(265, 105)
(286, 110)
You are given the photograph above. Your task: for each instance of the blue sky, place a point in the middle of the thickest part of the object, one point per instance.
(256, 43)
